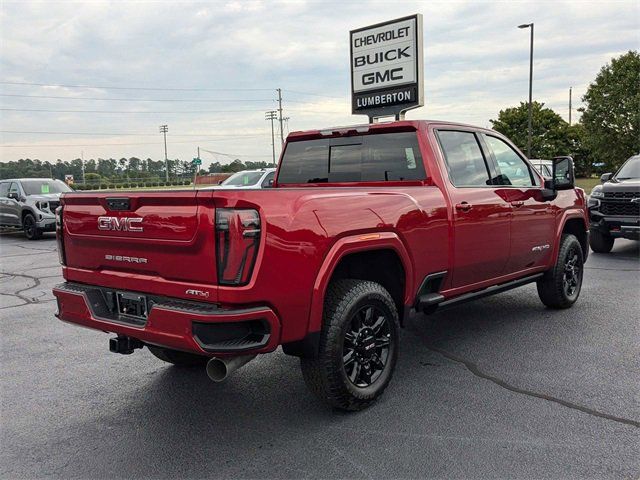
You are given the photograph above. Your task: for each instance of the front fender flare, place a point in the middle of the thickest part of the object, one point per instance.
(567, 215)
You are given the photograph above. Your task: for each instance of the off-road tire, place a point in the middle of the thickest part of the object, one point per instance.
(178, 358)
(326, 374)
(553, 286)
(31, 231)
(600, 242)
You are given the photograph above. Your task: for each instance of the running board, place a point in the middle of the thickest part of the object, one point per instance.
(431, 300)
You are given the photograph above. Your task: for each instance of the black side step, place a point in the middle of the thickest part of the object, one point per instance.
(429, 300)
(503, 287)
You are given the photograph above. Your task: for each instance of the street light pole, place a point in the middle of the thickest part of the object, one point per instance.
(530, 25)
(164, 129)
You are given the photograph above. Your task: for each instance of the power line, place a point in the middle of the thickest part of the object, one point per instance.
(313, 94)
(139, 99)
(122, 111)
(43, 110)
(116, 134)
(106, 144)
(104, 87)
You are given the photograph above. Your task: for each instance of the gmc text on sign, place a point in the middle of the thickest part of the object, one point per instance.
(386, 63)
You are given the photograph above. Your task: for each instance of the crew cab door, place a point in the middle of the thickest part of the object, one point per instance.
(481, 217)
(532, 221)
(10, 208)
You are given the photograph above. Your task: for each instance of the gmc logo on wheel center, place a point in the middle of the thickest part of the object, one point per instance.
(120, 224)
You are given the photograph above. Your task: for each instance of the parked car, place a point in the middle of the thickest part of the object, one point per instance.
(614, 207)
(364, 224)
(30, 203)
(262, 178)
(544, 167)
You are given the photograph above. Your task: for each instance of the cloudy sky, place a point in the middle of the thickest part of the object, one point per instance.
(210, 69)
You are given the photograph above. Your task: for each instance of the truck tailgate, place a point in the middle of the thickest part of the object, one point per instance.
(168, 235)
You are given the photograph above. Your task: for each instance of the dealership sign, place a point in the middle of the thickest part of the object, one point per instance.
(386, 67)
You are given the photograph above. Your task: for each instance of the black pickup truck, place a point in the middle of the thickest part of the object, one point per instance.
(614, 207)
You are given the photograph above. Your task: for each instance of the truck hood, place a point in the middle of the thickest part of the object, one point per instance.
(626, 185)
(45, 197)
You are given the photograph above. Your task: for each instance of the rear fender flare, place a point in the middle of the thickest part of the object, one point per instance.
(349, 245)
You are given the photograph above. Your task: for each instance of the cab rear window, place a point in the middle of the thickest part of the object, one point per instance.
(366, 158)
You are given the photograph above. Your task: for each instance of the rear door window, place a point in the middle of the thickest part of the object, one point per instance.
(4, 189)
(366, 158)
(466, 164)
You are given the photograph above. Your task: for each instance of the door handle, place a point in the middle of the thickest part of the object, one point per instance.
(517, 203)
(463, 206)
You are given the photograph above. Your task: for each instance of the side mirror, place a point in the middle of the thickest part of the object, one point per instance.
(13, 195)
(548, 192)
(563, 174)
(219, 182)
(605, 177)
(271, 182)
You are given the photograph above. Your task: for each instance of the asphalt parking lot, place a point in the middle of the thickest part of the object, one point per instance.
(499, 388)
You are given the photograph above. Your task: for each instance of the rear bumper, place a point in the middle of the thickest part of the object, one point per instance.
(189, 326)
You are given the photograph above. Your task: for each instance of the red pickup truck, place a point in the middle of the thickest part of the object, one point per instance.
(363, 224)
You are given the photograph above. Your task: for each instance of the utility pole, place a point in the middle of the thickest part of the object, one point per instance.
(164, 129)
(271, 115)
(280, 116)
(286, 123)
(530, 128)
(570, 88)
(82, 162)
(195, 175)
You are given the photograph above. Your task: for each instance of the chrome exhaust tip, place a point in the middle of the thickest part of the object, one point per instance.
(219, 369)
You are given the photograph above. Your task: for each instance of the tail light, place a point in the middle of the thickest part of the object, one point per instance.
(237, 241)
(59, 240)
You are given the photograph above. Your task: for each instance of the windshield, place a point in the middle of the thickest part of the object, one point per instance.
(630, 169)
(41, 187)
(243, 179)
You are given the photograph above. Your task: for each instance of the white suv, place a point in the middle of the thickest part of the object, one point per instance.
(262, 178)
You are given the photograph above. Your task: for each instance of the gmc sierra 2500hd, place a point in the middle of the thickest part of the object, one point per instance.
(363, 224)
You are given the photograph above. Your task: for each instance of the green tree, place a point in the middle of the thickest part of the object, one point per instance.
(579, 150)
(550, 133)
(215, 167)
(235, 166)
(611, 115)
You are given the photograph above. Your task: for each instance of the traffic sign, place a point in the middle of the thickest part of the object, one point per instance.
(196, 161)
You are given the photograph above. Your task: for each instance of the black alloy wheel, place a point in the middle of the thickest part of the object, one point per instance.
(358, 346)
(366, 346)
(30, 228)
(560, 287)
(572, 279)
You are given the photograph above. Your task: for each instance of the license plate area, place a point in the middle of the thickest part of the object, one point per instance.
(132, 305)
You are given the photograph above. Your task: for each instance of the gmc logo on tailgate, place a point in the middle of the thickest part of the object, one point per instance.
(120, 224)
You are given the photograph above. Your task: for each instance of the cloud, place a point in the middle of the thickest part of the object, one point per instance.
(476, 63)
